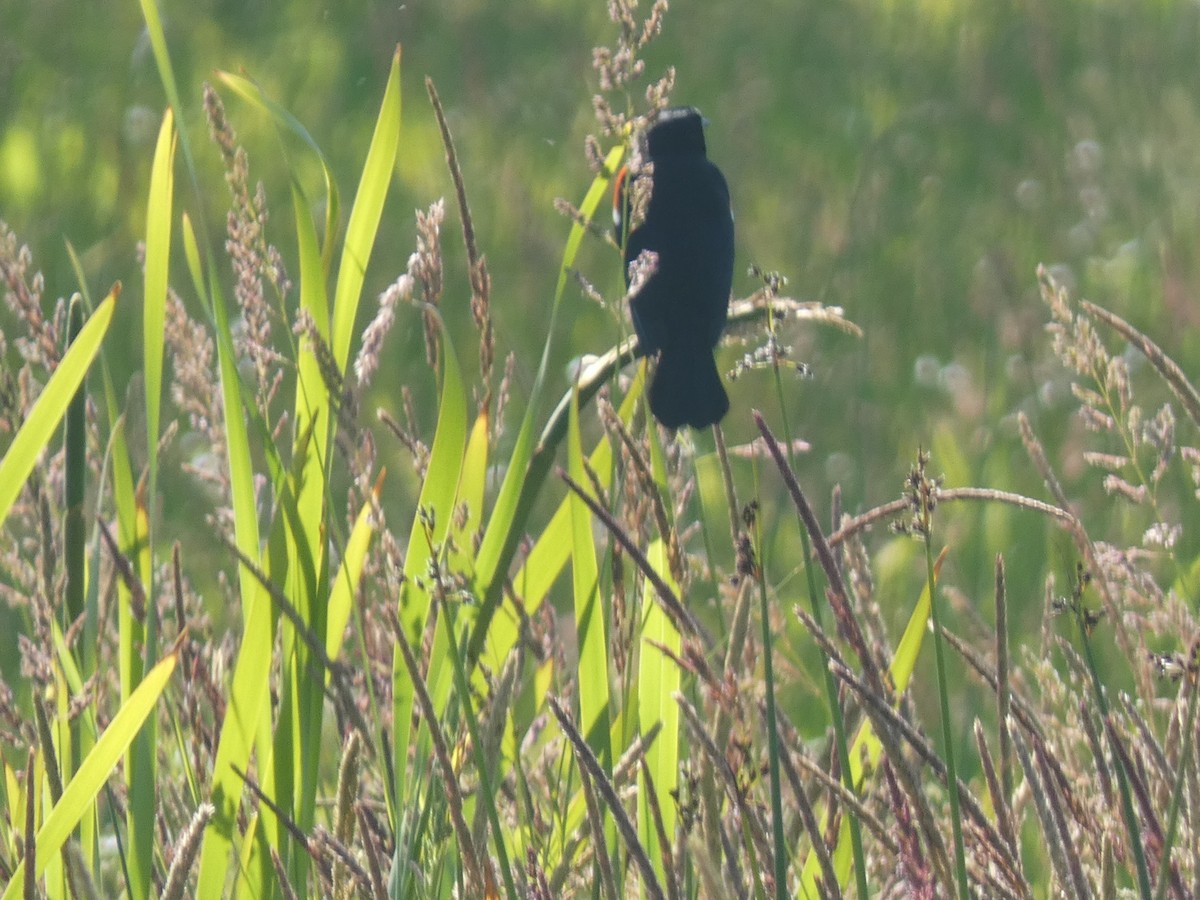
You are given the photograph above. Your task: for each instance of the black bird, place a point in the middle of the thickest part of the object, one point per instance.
(680, 311)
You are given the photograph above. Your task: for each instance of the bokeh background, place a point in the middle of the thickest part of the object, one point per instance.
(910, 161)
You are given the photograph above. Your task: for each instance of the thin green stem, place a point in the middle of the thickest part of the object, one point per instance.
(960, 856)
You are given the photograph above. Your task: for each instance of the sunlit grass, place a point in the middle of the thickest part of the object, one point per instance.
(409, 696)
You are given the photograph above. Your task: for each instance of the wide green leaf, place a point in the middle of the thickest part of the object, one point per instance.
(589, 610)
(365, 215)
(658, 681)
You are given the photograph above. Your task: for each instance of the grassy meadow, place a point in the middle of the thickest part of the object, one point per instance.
(341, 558)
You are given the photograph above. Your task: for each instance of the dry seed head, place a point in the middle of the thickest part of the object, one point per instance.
(23, 295)
(594, 154)
(367, 361)
(1107, 461)
(1116, 485)
(640, 271)
(1191, 456)
(1116, 382)
(658, 93)
(1159, 433)
(1094, 420)
(1162, 535)
(640, 188)
(218, 125)
(425, 266)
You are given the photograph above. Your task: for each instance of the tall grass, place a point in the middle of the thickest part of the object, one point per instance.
(360, 703)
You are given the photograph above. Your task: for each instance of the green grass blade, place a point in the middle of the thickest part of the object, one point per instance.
(307, 585)
(94, 771)
(75, 478)
(158, 261)
(158, 44)
(140, 773)
(38, 428)
(250, 684)
(503, 529)
(313, 421)
(124, 497)
(191, 255)
(589, 610)
(266, 831)
(658, 681)
(166, 74)
(365, 216)
(526, 470)
(132, 628)
(237, 441)
(459, 554)
(597, 193)
(552, 549)
(345, 583)
(472, 489)
(141, 770)
(436, 503)
(252, 94)
(315, 300)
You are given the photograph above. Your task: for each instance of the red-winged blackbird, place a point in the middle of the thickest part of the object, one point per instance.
(680, 311)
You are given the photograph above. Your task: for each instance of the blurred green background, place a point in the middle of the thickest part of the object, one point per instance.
(910, 162)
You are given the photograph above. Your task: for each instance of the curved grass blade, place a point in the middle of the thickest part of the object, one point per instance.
(250, 684)
(166, 74)
(472, 490)
(435, 511)
(527, 470)
(140, 762)
(124, 501)
(252, 94)
(365, 216)
(459, 552)
(552, 549)
(51, 405)
(302, 703)
(345, 583)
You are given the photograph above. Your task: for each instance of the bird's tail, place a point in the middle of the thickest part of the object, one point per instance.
(687, 389)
